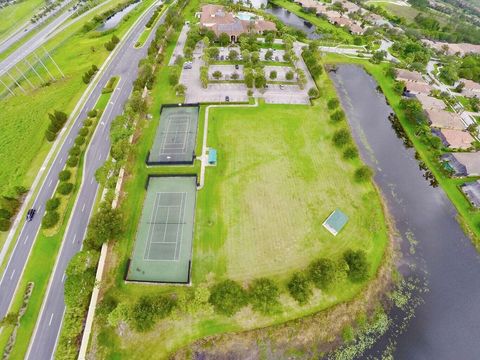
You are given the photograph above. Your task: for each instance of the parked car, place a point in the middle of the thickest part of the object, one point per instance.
(187, 65)
(282, 86)
(30, 214)
(227, 98)
(237, 67)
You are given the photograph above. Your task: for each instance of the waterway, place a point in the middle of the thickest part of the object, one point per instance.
(294, 21)
(442, 319)
(115, 19)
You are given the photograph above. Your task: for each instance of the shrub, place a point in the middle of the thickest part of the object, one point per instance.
(148, 309)
(173, 76)
(357, 265)
(105, 225)
(363, 174)
(52, 204)
(289, 75)
(83, 132)
(92, 113)
(227, 297)
(65, 188)
(273, 74)
(313, 93)
(80, 140)
(341, 138)
(235, 76)
(5, 214)
(50, 136)
(322, 273)
(75, 151)
(263, 294)
(350, 152)
(337, 116)
(50, 219)
(299, 288)
(87, 122)
(333, 104)
(20, 190)
(217, 75)
(72, 161)
(4, 224)
(64, 175)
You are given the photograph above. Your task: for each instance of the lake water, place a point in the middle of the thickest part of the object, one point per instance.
(115, 19)
(437, 256)
(293, 20)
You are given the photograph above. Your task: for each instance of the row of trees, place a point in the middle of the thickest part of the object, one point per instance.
(87, 76)
(9, 206)
(57, 121)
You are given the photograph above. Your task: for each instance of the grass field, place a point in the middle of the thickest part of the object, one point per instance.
(17, 14)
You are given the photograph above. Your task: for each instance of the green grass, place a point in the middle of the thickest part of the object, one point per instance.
(323, 26)
(469, 218)
(17, 14)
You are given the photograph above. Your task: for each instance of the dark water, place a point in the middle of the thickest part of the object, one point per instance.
(293, 20)
(446, 325)
(113, 21)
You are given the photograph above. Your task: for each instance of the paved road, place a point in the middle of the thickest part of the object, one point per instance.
(29, 27)
(125, 65)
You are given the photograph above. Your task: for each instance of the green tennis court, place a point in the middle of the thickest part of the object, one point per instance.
(163, 245)
(176, 136)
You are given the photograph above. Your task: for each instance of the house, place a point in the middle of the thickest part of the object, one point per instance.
(462, 163)
(471, 88)
(444, 119)
(217, 19)
(353, 27)
(348, 6)
(452, 49)
(456, 139)
(412, 76)
(429, 102)
(415, 88)
(472, 192)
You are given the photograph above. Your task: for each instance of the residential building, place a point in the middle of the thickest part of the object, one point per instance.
(415, 88)
(472, 192)
(407, 75)
(429, 102)
(444, 119)
(471, 88)
(456, 139)
(462, 163)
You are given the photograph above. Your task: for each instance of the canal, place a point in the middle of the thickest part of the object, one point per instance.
(437, 256)
(293, 20)
(115, 19)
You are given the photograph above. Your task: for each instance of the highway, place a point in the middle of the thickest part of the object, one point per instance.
(29, 27)
(124, 64)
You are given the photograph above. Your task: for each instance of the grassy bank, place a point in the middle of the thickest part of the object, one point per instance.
(468, 216)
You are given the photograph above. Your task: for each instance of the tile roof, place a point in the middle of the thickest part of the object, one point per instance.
(429, 102)
(444, 119)
(457, 139)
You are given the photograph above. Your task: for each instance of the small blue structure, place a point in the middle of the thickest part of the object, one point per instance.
(212, 157)
(335, 222)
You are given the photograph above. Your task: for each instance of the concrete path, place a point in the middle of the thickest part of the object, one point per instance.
(180, 45)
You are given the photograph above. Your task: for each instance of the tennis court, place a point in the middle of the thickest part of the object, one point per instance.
(163, 245)
(176, 136)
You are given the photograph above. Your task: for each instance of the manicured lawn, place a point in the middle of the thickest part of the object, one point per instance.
(17, 14)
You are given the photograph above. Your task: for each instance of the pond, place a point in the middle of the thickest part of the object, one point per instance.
(294, 21)
(442, 320)
(115, 19)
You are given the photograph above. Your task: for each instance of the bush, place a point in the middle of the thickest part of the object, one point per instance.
(313, 93)
(299, 288)
(363, 174)
(83, 132)
(341, 138)
(289, 75)
(263, 294)
(350, 152)
(65, 188)
(322, 273)
(333, 104)
(64, 175)
(105, 225)
(20, 190)
(5, 214)
(273, 74)
(75, 151)
(50, 136)
(4, 224)
(217, 75)
(92, 113)
(52, 204)
(87, 122)
(148, 309)
(227, 297)
(50, 219)
(80, 140)
(72, 161)
(357, 265)
(337, 116)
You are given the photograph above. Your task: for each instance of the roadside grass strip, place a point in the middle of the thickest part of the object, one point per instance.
(176, 136)
(163, 247)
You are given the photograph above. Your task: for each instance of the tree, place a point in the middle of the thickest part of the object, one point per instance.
(260, 81)
(269, 55)
(9, 319)
(224, 39)
(313, 93)
(269, 38)
(204, 76)
(72, 161)
(322, 273)
(83, 131)
(105, 225)
(65, 188)
(232, 55)
(249, 78)
(333, 103)
(299, 288)
(341, 138)
(75, 151)
(5, 214)
(217, 75)
(363, 174)
(263, 294)
(180, 89)
(50, 219)
(148, 309)
(227, 297)
(273, 74)
(213, 52)
(173, 76)
(350, 152)
(92, 113)
(5, 224)
(337, 116)
(52, 204)
(357, 265)
(289, 75)
(378, 56)
(235, 76)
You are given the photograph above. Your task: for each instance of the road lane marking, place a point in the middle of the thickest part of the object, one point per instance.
(91, 182)
(63, 277)
(61, 159)
(83, 207)
(50, 183)
(99, 156)
(74, 237)
(70, 141)
(26, 238)
(11, 276)
(50, 322)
